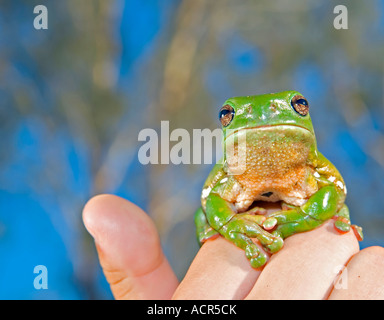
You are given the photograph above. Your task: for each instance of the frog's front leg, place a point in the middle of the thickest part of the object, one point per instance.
(204, 231)
(320, 207)
(240, 229)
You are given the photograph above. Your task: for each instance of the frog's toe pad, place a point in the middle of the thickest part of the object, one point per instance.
(269, 223)
(255, 256)
(276, 245)
(342, 225)
(358, 232)
(259, 261)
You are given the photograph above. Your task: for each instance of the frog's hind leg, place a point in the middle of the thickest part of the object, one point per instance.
(311, 215)
(203, 230)
(307, 217)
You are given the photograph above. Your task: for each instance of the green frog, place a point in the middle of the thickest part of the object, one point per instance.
(270, 155)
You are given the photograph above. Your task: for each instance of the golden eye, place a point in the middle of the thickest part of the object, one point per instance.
(300, 105)
(226, 115)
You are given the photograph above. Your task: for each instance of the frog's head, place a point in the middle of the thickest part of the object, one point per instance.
(269, 122)
(283, 108)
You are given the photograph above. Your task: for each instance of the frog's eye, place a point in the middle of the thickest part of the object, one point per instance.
(300, 105)
(226, 115)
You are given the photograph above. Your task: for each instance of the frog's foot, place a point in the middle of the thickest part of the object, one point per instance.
(343, 223)
(254, 254)
(269, 242)
(256, 258)
(244, 227)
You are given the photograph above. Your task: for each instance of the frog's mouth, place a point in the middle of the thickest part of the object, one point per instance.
(266, 206)
(268, 127)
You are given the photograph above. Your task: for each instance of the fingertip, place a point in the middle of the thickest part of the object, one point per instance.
(129, 249)
(91, 212)
(124, 232)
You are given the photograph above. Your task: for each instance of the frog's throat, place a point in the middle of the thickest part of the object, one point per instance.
(274, 143)
(235, 131)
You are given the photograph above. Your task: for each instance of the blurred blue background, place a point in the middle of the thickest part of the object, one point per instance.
(75, 96)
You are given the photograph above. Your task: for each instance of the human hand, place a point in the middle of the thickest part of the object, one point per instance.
(306, 268)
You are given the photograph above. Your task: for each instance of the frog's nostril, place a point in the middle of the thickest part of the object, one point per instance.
(267, 194)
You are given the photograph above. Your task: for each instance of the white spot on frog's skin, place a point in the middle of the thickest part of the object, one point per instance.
(316, 174)
(206, 191)
(325, 200)
(224, 180)
(332, 179)
(340, 184)
(240, 111)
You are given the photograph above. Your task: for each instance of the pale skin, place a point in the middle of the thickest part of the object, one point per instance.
(305, 268)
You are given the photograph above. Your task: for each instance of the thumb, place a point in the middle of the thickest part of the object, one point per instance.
(129, 249)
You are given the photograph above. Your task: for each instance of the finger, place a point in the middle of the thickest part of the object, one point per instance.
(306, 266)
(363, 277)
(129, 249)
(220, 270)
